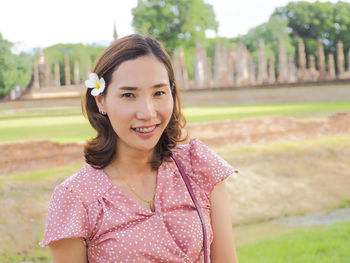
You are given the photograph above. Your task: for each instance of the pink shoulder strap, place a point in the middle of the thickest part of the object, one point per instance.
(194, 199)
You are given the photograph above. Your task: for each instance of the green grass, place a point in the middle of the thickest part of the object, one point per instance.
(345, 203)
(68, 125)
(38, 255)
(324, 244)
(212, 113)
(296, 245)
(42, 174)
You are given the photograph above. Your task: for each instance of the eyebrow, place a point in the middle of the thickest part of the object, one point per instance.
(156, 86)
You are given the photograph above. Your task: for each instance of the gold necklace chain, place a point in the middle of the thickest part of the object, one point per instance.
(134, 191)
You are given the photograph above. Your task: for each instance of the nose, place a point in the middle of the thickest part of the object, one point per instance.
(146, 109)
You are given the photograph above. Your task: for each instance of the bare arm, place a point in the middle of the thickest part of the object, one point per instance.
(223, 247)
(68, 251)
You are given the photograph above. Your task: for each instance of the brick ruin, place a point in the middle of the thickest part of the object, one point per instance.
(231, 68)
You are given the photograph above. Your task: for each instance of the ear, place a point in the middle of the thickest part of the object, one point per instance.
(100, 102)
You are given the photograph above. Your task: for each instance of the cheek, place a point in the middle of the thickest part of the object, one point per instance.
(119, 117)
(168, 108)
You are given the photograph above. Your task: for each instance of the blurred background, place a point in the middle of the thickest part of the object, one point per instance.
(266, 84)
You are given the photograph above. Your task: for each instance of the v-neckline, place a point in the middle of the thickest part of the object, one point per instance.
(139, 207)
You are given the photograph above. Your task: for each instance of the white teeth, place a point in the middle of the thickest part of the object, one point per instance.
(145, 129)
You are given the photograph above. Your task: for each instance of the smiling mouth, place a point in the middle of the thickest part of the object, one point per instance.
(145, 129)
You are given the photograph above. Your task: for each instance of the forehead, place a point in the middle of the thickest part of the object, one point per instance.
(142, 71)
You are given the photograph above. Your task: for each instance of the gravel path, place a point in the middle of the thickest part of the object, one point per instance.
(318, 218)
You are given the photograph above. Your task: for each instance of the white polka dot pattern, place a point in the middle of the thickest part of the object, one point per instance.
(117, 229)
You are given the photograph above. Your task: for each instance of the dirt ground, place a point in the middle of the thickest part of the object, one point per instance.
(26, 156)
(269, 184)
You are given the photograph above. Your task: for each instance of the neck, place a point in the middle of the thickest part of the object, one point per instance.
(133, 164)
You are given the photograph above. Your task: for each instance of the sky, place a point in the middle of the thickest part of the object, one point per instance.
(41, 23)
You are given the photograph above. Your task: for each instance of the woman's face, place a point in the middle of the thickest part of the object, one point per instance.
(139, 103)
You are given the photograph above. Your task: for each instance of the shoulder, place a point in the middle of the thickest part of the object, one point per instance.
(197, 153)
(202, 164)
(87, 184)
(190, 149)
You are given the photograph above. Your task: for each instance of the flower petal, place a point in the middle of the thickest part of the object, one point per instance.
(93, 77)
(90, 84)
(102, 83)
(95, 92)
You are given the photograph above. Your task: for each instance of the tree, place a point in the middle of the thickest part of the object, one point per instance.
(327, 21)
(74, 52)
(14, 70)
(272, 32)
(173, 22)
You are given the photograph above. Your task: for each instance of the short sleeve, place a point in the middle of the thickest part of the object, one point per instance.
(66, 217)
(207, 166)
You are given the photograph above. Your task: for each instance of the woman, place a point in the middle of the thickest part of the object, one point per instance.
(129, 203)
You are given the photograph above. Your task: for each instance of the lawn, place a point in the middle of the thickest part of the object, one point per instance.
(68, 125)
(323, 244)
(27, 203)
(213, 113)
(25, 196)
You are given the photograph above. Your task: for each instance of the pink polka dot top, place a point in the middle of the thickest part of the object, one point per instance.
(116, 229)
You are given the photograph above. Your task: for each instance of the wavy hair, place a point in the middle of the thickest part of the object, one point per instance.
(101, 150)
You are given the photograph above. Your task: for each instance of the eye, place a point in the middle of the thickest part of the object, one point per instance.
(159, 93)
(128, 95)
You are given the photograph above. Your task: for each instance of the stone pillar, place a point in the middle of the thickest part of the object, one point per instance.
(292, 70)
(115, 34)
(36, 82)
(241, 65)
(198, 68)
(321, 60)
(230, 68)
(262, 68)
(76, 73)
(67, 71)
(331, 67)
(57, 81)
(252, 71)
(47, 76)
(282, 64)
(301, 61)
(340, 60)
(184, 73)
(207, 71)
(88, 67)
(180, 68)
(223, 66)
(272, 76)
(312, 72)
(346, 74)
(201, 68)
(219, 65)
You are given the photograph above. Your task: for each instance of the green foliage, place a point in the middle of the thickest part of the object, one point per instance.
(272, 32)
(320, 244)
(15, 70)
(345, 203)
(174, 23)
(74, 52)
(211, 43)
(327, 21)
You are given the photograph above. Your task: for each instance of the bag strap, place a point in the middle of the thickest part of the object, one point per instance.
(194, 199)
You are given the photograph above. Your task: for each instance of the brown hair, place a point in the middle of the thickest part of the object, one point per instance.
(101, 150)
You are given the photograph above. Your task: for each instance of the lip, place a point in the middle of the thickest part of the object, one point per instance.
(146, 135)
(148, 126)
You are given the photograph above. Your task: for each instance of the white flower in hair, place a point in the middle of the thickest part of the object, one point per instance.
(98, 85)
